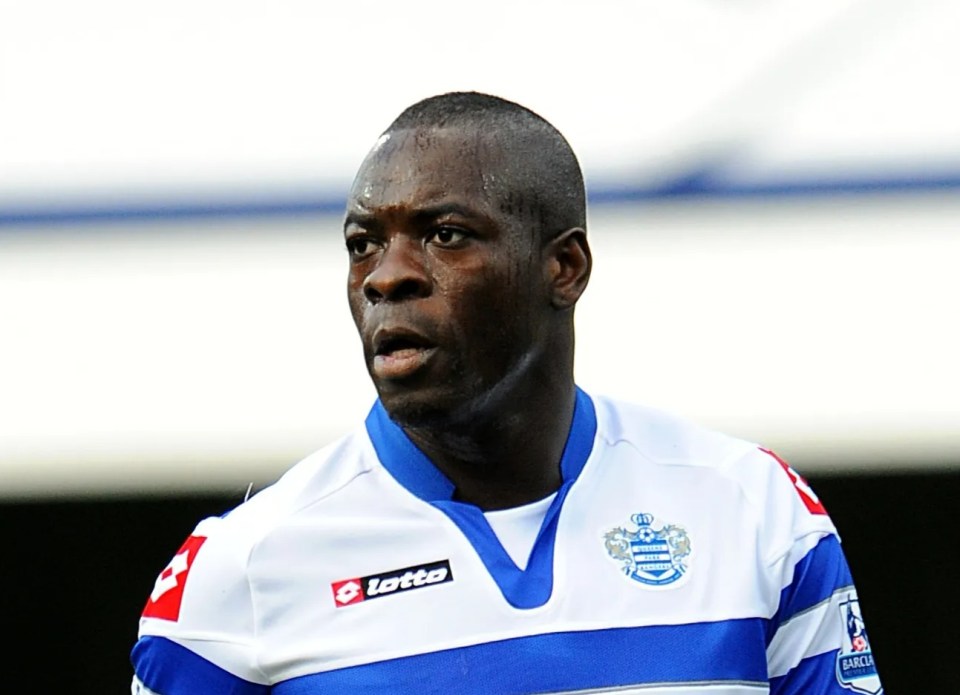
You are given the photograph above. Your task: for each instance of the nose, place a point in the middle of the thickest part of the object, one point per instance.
(400, 273)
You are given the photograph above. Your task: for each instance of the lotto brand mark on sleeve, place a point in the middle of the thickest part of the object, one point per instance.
(164, 601)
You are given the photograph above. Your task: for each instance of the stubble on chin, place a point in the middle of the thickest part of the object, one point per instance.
(440, 405)
(414, 413)
(419, 409)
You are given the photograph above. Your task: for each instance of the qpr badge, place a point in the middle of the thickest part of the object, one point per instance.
(649, 555)
(855, 668)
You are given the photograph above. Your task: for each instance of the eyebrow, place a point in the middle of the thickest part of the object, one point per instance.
(433, 211)
(361, 219)
(368, 220)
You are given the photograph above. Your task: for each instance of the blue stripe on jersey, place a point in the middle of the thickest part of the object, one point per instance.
(167, 668)
(815, 674)
(526, 588)
(816, 577)
(730, 652)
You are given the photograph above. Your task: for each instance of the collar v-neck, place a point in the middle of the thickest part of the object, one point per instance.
(411, 468)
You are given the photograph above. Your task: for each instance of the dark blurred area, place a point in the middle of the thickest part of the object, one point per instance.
(79, 572)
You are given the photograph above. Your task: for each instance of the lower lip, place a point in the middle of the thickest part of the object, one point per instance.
(400, 363)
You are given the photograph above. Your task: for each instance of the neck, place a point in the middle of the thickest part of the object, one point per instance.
(506, 456)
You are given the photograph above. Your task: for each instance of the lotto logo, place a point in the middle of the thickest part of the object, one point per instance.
(807, 495)
(167, 594)
(349, 591)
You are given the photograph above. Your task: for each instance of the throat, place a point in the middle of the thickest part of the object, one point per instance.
(508, 460)
(494, 495)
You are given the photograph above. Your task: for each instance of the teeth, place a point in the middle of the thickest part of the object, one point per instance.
(395, 345)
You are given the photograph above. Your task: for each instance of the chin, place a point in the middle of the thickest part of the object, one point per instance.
(417, 408)
(412, 409)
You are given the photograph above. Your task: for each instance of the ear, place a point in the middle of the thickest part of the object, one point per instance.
(568, 267)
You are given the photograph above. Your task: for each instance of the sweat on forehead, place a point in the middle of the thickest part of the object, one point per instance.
(520, 158)
(437, 160)
(453, 163)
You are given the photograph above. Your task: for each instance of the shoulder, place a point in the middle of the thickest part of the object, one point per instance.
(207, 584)
(319, 476)
(784, 505)
(663, 437)
(203, 616)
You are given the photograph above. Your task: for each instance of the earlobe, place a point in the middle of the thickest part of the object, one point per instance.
(570, 262)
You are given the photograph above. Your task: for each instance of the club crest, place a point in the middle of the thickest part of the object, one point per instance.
(855, 668)
(652, 556)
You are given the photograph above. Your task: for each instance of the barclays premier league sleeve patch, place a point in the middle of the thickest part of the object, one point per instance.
(167, 594)
(855, 668)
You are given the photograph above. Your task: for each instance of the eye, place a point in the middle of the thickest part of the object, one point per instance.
(360, 247)
(447, 236)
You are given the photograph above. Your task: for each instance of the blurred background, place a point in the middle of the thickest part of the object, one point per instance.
(775, 203)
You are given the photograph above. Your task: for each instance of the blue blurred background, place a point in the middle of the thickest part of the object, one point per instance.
(775, 204)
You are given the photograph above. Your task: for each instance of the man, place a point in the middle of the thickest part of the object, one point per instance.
(492, 528)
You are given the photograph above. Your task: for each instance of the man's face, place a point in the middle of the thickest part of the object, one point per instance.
(446, 285)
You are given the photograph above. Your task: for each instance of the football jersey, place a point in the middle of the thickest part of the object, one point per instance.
(672, 560)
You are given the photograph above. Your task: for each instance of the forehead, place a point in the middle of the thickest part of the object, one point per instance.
(429, 164)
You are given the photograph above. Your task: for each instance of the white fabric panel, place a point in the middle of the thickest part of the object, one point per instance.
(687, 689)
(517, 528)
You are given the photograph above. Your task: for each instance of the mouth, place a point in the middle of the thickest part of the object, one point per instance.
(398, 354)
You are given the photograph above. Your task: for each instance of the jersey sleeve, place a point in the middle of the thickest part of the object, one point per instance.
(817, 642)
(197, 631)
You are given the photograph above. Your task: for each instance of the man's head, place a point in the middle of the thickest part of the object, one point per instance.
(541, 177)
(465, 228)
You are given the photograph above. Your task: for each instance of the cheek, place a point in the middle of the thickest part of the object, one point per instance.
(355, 299)
(491, 310)
(469, 288)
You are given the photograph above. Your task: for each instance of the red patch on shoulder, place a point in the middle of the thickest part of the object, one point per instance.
(809, 497)
(164, 601)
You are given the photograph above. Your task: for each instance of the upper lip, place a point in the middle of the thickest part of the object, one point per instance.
(386, 340)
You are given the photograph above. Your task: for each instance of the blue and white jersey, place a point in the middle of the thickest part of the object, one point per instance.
(673, 560)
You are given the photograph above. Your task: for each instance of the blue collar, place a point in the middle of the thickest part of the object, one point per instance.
(523, 589)
(412, 469)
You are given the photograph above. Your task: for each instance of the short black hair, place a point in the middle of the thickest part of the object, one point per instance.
(545, 175)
